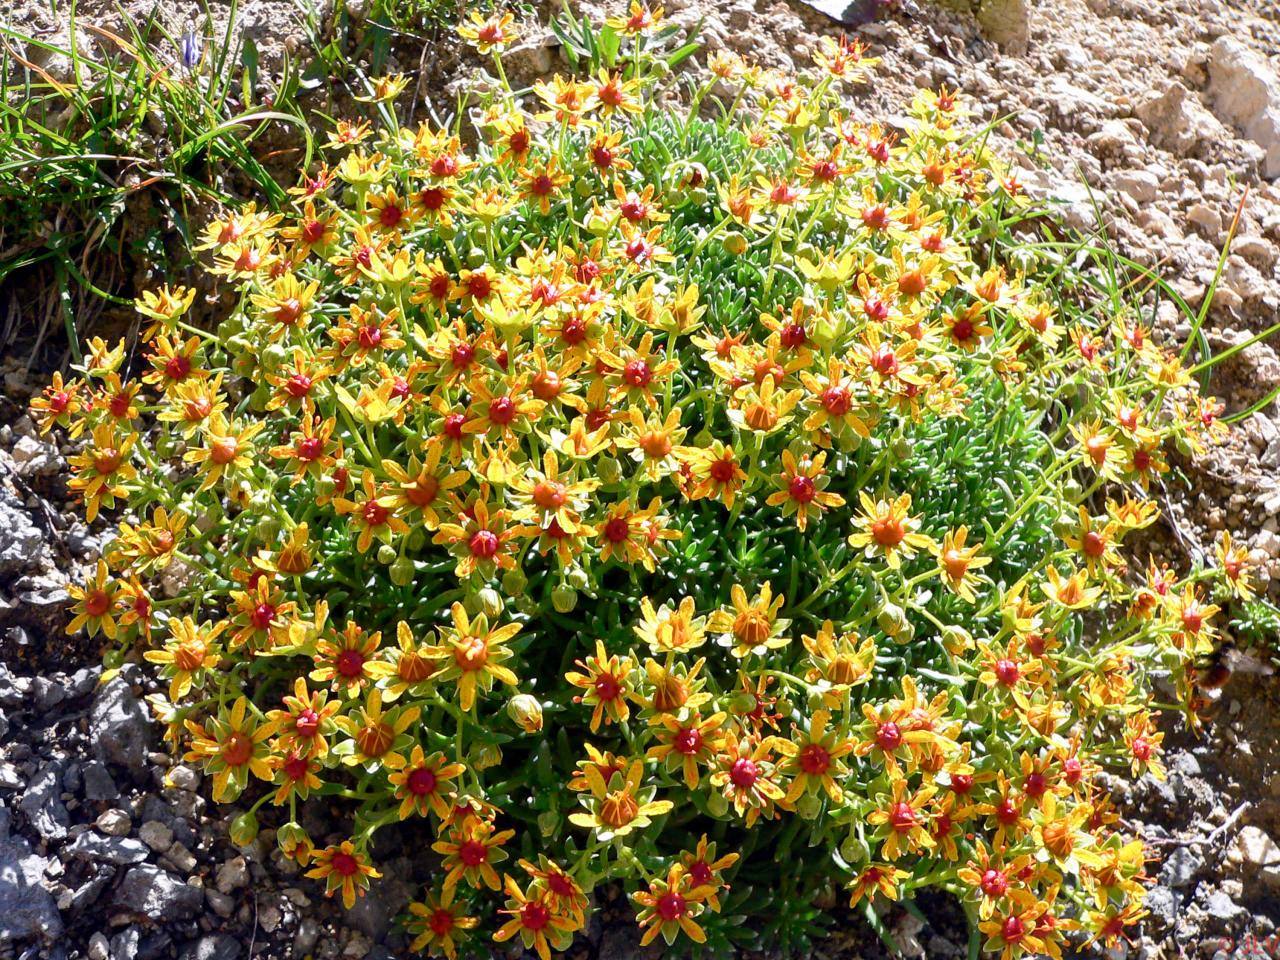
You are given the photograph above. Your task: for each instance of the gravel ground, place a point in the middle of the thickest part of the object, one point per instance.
(1168, 108)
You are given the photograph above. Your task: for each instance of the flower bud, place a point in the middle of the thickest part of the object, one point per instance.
(387, 554)
(717, 805)
(294, 842)
(892, 619)
(548, 823)
(485, 756)
(514, 581)
(598, 224)
(608, 469)
(734, 244)
(244, 830)
(957, 640)
(809, 806)
(577, 578)
(402, 572)
(417, 540)
(902, 448)
(854, 850)
(490, 602)
(526, 711)
(564, 598)
(475, 258)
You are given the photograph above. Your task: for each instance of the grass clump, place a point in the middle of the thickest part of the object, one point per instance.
(707, 494)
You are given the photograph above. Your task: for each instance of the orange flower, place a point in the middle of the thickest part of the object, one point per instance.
(343, 867)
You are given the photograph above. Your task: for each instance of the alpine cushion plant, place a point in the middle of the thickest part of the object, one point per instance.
(708, 495)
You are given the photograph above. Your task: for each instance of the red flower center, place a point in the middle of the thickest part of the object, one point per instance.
(534, 916)
(295, 767)
(177, 367)
(607, 687)
(298, 385)
(1094, 545)
(237, 750)
(307, 724)
(994, 883)
(700, 874)
(688, 742)
(310, 448)
(1013, 929)
(97, 603)
(1141, 748)
(441, 922)
(262, 615)
(344, 864)
(422, 782)
(502, 410)
(1007, 672)
(815, 760)
(671, 906)
(1072, 770)
(472, 853)
(961, 783)
(888, 736)
(369, 337)
(375, 514)
(744, 773)
(617, 530)
(637, 373)
(901, 817)
(350, 663)
(801, 489)
(1035, 785)
(835, 400)
(390, 216)
(483, 544)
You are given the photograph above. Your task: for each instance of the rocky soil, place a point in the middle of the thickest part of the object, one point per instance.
(1169, 111)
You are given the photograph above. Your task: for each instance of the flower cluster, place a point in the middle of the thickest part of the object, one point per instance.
(846, 483)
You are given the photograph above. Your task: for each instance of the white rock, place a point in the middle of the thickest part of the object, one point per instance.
(115, 823)
(1246, 92)
(1206, 218)
(1139, 184)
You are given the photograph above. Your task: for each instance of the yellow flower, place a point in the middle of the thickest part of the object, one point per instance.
(886, 528)
(343, 867)
(750, 626)
(472, 655)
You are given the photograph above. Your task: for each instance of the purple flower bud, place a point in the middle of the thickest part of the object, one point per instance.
(191, 50)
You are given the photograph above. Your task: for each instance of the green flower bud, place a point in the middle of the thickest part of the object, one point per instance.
(490, 602)
(475, 258)
(486, 755)
(809, 806)
(244, 830)
(402, 572)
(526, 711)
(564, 598)
(577, 578)
(417, 540)
(892, 619)
(514, 582)
(608, 469)
(854, 850)
(387, 554)
(698, 196)
(957, 640)
(902, 448)
(734, 244)
(445, 231)
(717, 805)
